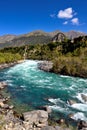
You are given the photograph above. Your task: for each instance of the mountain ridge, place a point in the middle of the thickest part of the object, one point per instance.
(34, 37)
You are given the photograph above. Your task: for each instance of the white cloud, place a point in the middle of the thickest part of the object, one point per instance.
(67, 13)
(66, 22)
(52, 15)
(75, 21)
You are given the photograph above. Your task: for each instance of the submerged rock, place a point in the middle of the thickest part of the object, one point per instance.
(82, 125)
(71, 102)
(84, 97)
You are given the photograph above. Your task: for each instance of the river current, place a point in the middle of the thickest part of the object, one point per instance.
(29, 85)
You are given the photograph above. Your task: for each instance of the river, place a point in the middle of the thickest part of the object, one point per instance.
(33, 87)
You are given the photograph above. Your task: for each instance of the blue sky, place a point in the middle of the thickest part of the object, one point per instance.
(23, 16)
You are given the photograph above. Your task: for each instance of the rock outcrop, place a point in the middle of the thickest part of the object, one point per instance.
(36, 119)
(45, 66)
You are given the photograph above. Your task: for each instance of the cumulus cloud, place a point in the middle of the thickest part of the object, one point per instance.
(66, 22)
(75, 21)
(67, 13)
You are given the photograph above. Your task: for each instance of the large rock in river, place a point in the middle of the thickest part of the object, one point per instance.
(45, 65)
(84, 97)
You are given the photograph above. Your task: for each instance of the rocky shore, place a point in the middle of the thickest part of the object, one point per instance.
(7, 65)
(45, 65)
(32, 120)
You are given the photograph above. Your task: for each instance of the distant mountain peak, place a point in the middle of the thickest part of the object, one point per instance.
(7, 37)
(74, 34)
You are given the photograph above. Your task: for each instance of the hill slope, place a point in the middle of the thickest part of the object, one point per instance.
(36, 37)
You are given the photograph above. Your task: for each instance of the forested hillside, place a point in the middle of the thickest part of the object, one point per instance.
(69, 58)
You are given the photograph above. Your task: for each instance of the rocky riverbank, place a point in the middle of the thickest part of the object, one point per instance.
(7, 65)
(63, 69)
(32, 120)
(45, 65)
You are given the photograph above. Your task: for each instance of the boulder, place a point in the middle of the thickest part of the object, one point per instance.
(46, 108)
(45, 65)
(37, 118)
(38, 115)
(84, 97)
(71, 102)
(82, 125)
(3, 85)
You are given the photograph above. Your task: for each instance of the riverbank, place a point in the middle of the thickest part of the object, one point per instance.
(67, 67)
(32, 120)
(7, 65)
(21, 89)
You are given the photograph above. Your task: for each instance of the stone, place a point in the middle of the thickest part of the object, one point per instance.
(84, 97)
(6, 106)
(71, 115)
(45, 66)
(11, 107)
(58, 128)
(34, 116)
(35, 119)
(71, 102)
(48, 128)
(61, 121)
(47, 108)
(1, 104)
(3, 85)
(82, 125)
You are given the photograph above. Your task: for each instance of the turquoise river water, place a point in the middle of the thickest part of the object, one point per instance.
(29, 85)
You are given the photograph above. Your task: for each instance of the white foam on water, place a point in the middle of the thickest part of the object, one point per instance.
(56, 101)
(53, 100)
(24, 66)
(80, 106)
(82, 80)
(64, 76)
(58, 108)
(79, 115)
(9, 81)
(79, 97)
(23, 86)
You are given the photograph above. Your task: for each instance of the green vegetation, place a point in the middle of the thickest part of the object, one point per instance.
(69, 58)
(9, 57)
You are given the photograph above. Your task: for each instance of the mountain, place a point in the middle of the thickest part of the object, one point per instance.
(74, 34)
(35, 37)
(6, 38)
(52, 34)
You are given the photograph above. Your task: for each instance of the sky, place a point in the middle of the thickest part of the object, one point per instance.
(24, 16)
